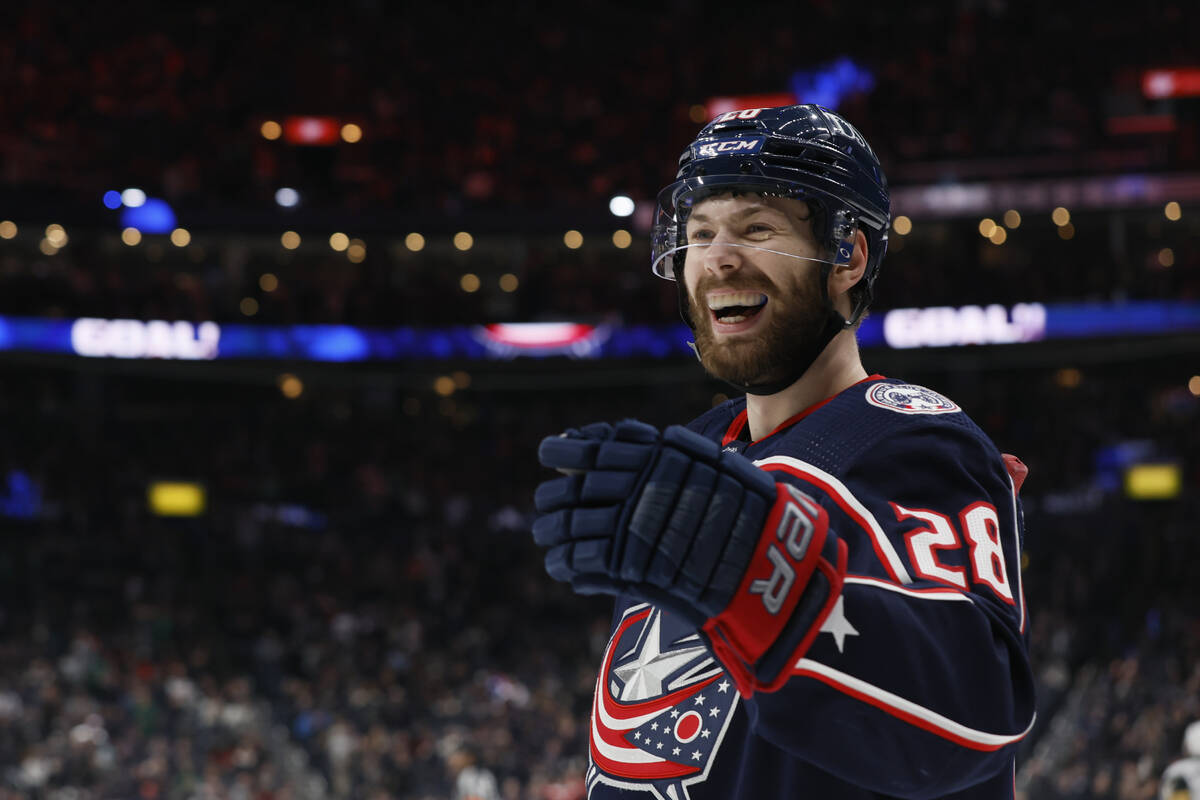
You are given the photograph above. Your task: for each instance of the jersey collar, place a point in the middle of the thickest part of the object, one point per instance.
(738, 429)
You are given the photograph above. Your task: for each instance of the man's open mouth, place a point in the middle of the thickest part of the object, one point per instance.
(734, 307)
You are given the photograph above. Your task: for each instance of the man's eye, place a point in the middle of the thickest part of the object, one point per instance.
(758, 227)
(700, 234)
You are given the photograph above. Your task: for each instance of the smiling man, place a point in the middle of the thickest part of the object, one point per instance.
(765, 312)
(817, 584)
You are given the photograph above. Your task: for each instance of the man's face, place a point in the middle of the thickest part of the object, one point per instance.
(754, 311)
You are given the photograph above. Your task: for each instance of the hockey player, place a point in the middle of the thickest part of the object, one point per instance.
(818, 589)
(1181, 780)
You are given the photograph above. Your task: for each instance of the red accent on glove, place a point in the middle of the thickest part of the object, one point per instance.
(754, 619)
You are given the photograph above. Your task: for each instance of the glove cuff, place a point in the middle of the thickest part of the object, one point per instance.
(793, 581)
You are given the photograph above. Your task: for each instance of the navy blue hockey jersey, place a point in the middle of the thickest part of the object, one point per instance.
(918, 684)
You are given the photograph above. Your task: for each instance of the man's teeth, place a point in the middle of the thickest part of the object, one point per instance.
(718, 301)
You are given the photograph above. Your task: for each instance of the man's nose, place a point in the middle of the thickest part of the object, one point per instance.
(722, 257)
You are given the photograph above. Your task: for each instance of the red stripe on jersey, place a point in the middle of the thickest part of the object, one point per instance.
(735, 428)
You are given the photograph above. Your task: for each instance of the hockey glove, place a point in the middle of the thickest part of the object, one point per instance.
(672, 520)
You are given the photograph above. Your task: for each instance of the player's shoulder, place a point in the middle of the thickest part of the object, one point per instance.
(714, 423)
(892, 405)
(883, 418)
(902, 418)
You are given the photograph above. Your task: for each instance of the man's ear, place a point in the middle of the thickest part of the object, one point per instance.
(843, 277)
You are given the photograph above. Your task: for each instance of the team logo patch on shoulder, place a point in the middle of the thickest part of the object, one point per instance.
(908, 398)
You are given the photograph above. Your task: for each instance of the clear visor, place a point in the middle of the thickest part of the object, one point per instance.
(675, 204)
(663, 265)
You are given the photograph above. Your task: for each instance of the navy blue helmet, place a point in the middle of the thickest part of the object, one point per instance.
(804, 152)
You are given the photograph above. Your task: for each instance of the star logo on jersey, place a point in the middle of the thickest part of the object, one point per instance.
(908, 398)
(837, 624)
(661, 707)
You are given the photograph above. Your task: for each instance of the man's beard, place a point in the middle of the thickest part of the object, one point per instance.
(797, 317)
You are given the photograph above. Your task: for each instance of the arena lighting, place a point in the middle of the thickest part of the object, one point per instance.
(112, 199)
(1153, 481)
(132, 338)
(56, 235)
(22, 498)
(1068, 377)
(133, 197)
(506, 340)
(899, 328)
(313, 131)
(949, 326)
(290, 386)
(983, 198)
(1180, 82)
(621, 206)
(176, 498)
(153, 215)
(287, 197)
(830, 83)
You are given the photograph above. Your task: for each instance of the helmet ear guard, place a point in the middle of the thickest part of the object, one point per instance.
(843, 230)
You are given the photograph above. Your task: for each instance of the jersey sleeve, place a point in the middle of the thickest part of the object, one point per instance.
(918, 683)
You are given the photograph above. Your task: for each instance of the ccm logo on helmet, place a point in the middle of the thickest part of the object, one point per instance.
(729, 146)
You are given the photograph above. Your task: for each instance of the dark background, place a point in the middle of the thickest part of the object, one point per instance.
(360, 612)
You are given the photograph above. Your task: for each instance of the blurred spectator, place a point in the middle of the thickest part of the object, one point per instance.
(360, 613)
